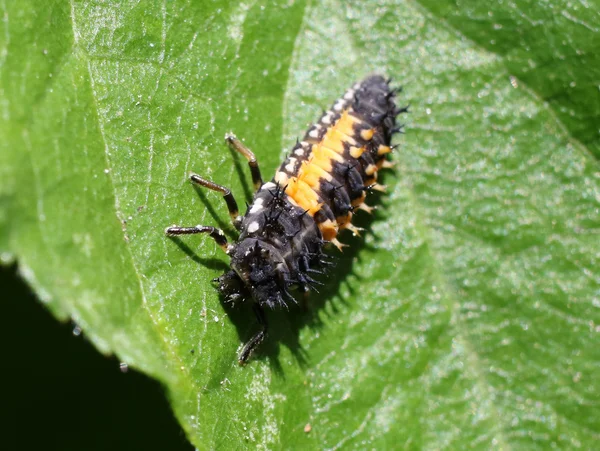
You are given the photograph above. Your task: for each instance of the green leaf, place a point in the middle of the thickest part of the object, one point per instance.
(552, 48)
(469, 314)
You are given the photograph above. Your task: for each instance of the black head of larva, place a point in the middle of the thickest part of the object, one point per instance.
(312, 198)
(231, 287)
(272, 252)
(258, 273)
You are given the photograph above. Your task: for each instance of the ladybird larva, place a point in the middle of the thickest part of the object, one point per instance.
(310, 200)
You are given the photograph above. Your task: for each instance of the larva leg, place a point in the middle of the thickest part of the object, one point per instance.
(258, 338)
(232, 206)
(215, 234)
(238, 146)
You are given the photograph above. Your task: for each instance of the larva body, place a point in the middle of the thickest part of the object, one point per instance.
(310, 200)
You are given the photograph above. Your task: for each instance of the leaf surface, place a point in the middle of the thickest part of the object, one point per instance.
(468, 315)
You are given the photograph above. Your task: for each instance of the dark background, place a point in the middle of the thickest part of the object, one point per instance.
(58, 392)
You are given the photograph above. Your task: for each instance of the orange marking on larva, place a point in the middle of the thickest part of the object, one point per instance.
(366, 208)
(386, 164)
(356, 152)
(346, 123)
(322, 157)
(343, 221)
(371, 180)
(315, 209)
(343, 129)
(356, 202)
(312, 174)
(304, 188)
(343, 137)
(355, 230)
(329, 230)
(328, 153)
(339, 245)
(371, 169)
(298, 187)
(367, 134)
(303, 195)
(333, 141)
(379, 187)
(382, 150)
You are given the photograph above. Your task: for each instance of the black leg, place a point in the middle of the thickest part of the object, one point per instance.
(232, 206)
(238, 146)
(215, 234)
(258, 338)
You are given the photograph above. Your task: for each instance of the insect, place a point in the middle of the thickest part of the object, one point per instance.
(312, 198)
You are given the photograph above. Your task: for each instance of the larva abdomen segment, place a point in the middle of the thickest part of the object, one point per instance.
(328, 173)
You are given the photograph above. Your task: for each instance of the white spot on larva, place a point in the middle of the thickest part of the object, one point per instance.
(290, 166)
(299, 152)
(269, 185)
(253, 227)
(257, 205)
(339, 105)
(304, 144)
(281, 178)
(314, 133)
(349, 94)
(327, 117)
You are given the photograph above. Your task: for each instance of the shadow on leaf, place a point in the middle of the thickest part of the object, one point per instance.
(285, 324)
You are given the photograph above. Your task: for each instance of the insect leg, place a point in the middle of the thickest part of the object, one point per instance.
(215, 234)
(238, 146)
(232, 206)
(258, 338)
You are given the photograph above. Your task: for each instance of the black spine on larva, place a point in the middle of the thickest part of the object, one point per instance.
(280, 245)
(374, 104)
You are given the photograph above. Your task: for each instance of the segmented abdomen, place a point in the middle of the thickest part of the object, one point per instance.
(328, 172)
(313, 195)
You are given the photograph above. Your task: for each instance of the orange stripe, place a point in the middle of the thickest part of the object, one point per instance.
(304, 189)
